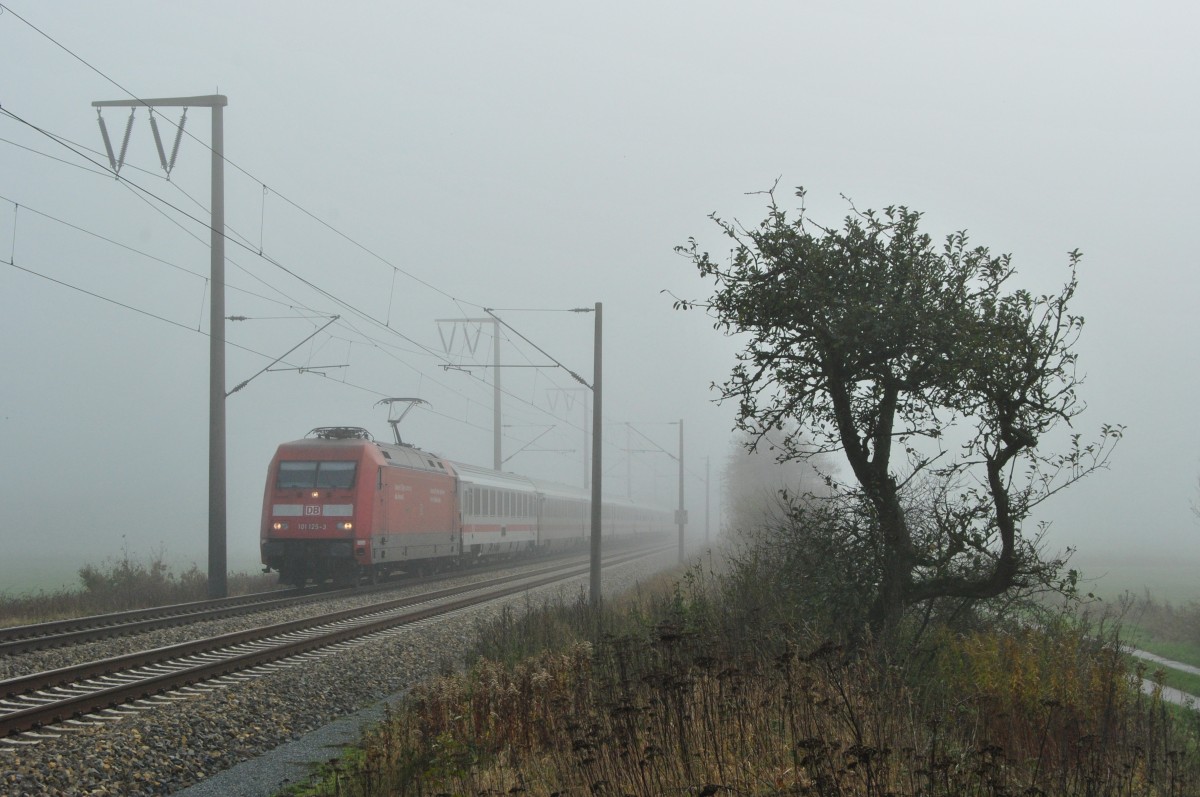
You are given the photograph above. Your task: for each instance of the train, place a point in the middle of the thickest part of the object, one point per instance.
(340, 506)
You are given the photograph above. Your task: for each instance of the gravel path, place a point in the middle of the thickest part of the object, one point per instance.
(163, 746)
(1169, 693)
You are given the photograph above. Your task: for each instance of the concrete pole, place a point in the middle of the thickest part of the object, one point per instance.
(597, 472)
(587, 458)
(217, 562)
(497, 460)
(707, 492)
(628, 463)
(217, 516)
(682, 514)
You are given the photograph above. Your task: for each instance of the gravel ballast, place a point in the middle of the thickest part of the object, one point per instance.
(165, 745)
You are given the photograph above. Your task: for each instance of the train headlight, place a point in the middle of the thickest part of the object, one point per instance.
(315, 494)
(278, 526)
(345, 526)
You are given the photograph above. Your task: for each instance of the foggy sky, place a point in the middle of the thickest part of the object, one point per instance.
(533, 156)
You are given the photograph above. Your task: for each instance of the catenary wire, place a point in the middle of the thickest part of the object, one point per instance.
(294, 204)
(285, 198)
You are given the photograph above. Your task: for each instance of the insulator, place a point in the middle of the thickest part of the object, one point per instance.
(125, 143)
(178, 137)
(112, 161)
(162, 156)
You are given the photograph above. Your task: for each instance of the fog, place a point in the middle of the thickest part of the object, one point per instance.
(396, 164)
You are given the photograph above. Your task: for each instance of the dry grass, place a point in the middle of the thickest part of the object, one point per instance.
(650, 699)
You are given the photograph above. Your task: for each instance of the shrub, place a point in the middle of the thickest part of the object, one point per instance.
(703, 684)
(121, 584)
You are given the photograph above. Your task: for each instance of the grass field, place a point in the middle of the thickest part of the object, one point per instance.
(1176, 679)
(1165, 581)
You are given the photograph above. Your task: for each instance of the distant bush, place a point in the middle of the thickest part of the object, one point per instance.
(122, 584)
(1167, 622)
(128, 583)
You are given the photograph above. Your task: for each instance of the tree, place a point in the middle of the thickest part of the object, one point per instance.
(934, 380)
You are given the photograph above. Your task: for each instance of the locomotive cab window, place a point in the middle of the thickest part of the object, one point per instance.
(307, 475)
(336, 474)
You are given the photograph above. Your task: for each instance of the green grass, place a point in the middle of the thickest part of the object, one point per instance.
(1176, 679)
(1183, 681)
(1183, 652)
(327, 777)
(1160, 600)
(1175, 651)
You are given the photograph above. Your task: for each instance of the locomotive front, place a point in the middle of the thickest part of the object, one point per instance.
(316, 508)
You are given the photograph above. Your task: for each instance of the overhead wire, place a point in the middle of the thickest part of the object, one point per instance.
(132, 185)
(244, 243)
(165, 320)
(102, 172)
(146, 196)
(226, 159)
(285, 198)
(142, 193)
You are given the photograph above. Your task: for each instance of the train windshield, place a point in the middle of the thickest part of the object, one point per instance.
(307, 475)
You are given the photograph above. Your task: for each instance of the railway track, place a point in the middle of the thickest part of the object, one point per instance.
(43, 699)
(17, 640)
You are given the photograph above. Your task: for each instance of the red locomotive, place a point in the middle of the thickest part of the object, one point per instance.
(339, 505)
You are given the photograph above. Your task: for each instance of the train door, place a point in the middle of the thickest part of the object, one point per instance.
(382, 518)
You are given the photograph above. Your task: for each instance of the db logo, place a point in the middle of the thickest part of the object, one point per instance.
(312, 510)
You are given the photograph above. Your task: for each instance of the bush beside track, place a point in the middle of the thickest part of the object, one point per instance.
(712, 681)
(122, 584)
